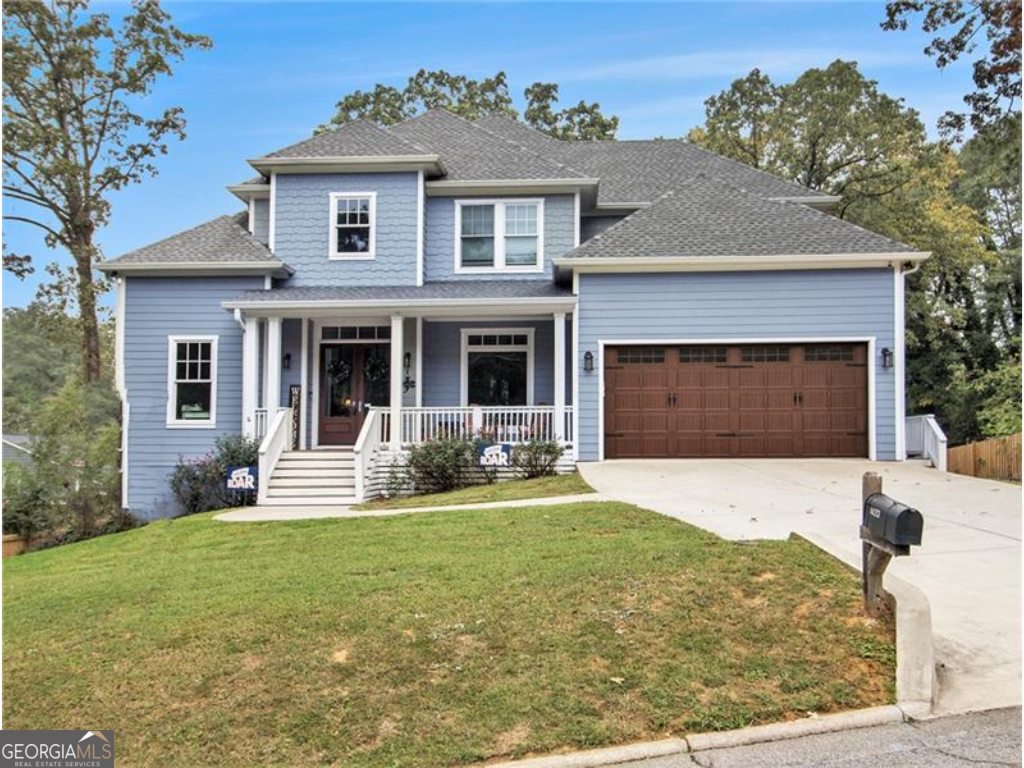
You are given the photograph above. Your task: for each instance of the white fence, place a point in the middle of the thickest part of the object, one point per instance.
(926, 439)
(517, 424)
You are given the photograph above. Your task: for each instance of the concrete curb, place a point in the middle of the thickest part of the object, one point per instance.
(701, 742)
(915, 652)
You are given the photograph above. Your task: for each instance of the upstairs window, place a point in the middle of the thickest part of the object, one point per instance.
(494, 235)
(353, 225)
(192, 381)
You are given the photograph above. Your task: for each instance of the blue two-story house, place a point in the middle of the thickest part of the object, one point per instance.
(385, 286)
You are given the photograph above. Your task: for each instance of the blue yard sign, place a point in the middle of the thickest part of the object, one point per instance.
(494, 456)
(242, 478)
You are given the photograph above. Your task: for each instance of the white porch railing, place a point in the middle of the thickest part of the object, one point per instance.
(277, 441)
(366, 450)
(513, 424)
(926, 439)
(260, 423)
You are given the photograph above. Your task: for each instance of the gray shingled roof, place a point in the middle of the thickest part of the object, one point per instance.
(360, 138)
(224, 239)
(450, 290)
(706, 218)
(470, 152)
(641, 171)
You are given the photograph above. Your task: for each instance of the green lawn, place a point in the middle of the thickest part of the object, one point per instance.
(508, 490)
(423, 640)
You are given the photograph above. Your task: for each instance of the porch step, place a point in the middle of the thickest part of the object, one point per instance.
(301, 484)
(314, 473)
(311, 490)
(304, 463)
(320, 453)
(310, 501)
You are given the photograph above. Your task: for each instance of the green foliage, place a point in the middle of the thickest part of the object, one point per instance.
(998, 393)
(24, 501)
(536, 458)
(957, 24)
(71, 135)
(441, 465)
(830, 130)
(41, 350)
(472, 99)
(198, 483)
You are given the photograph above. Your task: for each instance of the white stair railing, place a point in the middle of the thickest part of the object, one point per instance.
(512, 424)
(277, 441)
(926, 439)
(366, 450)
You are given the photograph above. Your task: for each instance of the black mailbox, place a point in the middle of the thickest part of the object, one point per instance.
(892, 522)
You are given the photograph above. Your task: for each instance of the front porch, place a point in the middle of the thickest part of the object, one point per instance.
(363, 388)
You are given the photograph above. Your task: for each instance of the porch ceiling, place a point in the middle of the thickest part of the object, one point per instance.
(455, 297)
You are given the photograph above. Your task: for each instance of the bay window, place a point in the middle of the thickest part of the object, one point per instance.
(497, 235)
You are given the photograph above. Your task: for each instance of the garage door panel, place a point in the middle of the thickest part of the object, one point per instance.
(767, 401)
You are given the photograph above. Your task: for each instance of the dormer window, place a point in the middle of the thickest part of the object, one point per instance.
(353, 225)
(499, 236)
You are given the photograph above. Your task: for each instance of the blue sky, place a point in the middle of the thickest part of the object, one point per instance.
(277, 69)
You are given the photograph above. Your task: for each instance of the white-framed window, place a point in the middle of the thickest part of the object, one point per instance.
(191, 382)
(497, 366)
(499, 236)
(353, 225)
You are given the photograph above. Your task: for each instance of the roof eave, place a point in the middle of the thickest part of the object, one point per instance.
(349, 164)
(274, 268)
(737, 262)
(449, 305)
(245, 192)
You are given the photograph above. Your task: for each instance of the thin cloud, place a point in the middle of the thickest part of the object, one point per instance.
(735, 63)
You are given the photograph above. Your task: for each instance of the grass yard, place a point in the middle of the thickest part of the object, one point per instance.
(426, 640)
(508, 490)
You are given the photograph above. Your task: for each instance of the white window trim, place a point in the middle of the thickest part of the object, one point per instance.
(334, 253)
(172, 392)
(499, 236)
(464, 365)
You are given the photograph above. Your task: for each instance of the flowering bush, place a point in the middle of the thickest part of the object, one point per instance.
(198, 483)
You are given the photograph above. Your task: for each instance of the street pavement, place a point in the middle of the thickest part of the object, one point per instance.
(990, 738)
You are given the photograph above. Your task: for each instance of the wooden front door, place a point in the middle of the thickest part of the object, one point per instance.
(352, 378)
(767, 400)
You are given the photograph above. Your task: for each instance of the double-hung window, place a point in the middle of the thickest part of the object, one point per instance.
(192, 381)
(353, 225)
(499, 235)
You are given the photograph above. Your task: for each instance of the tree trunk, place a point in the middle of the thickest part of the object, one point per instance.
(91, 360)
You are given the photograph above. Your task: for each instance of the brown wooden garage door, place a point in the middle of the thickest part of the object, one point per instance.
(736, 401)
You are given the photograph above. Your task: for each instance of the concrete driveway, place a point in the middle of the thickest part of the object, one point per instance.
(969, 565)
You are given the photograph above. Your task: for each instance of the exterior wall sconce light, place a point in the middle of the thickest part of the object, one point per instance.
(286, 361)
(407, 361)
(887, 358)
(588, 362)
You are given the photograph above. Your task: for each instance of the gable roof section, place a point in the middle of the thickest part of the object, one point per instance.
(704, 219)
(222, 243)
(360, 138)
(471, 152)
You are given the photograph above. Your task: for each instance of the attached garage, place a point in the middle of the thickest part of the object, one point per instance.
(753, 400)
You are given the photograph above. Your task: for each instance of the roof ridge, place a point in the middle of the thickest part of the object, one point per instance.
(526, 149)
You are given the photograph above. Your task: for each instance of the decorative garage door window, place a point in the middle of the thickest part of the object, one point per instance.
(764, 354)
(829, 354)
(702, 354)
(628, 355)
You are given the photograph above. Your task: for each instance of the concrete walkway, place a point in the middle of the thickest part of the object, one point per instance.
(271, 514)
(969, 565)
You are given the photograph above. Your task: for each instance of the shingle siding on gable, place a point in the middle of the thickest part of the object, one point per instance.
(736, 305)
(261, 221)
(302, 228)
(439, 250)
(155, 308)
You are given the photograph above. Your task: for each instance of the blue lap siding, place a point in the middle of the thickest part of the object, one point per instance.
(818, 304)
(155, 308)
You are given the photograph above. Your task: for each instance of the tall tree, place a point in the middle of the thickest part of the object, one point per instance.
(387, 105)
(72, 131)
(831, 130)
(957, 25)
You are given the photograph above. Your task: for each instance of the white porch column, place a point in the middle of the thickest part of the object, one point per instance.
(397, 350)
(272, 396)
(250, 375)
(559, 376)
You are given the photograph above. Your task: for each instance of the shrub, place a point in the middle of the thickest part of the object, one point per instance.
(198, 484)
(397, 481)
(536, 458)
(440, 465)
(24, 502)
